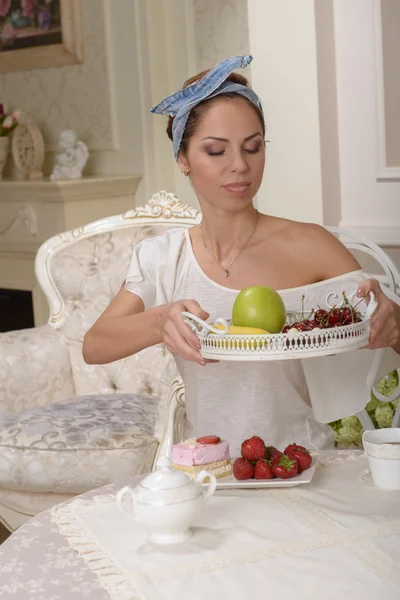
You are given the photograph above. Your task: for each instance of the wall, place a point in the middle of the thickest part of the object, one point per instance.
(284, 74)
(164, 33)
(221, 30)
(325, 73)
(327, 112)
(98, 99)
(136, 52)
(370, 188)
(390, 13)
(75, 96)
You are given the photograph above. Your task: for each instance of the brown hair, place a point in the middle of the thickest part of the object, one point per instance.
(200, 109)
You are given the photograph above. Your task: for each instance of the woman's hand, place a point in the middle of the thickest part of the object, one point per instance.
(178, 336)
(384, 324)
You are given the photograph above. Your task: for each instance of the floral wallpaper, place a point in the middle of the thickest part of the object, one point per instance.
(221, 30)
(74, 97)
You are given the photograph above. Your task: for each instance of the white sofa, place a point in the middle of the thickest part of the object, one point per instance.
(66, 426)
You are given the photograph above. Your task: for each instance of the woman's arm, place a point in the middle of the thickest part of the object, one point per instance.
(126, 328)
(335, 259)
(123, 329)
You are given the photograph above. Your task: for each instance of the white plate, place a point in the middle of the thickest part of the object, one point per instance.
(229, 482)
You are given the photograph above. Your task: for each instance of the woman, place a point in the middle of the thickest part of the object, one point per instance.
(217, 128)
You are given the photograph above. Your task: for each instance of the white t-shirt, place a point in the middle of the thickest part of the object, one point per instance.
(278, 400)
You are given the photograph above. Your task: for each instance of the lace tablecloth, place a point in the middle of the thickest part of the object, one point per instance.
(345, 533)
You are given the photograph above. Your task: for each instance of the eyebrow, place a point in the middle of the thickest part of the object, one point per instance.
(219, 139)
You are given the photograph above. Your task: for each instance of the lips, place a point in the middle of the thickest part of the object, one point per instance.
(237, 187)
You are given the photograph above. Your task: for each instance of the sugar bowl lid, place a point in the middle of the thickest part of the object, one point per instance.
(164, 477)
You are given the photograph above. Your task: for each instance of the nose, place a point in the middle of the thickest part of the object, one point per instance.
(239, 163)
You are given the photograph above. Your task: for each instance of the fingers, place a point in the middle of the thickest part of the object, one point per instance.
(384, 330)
(194, 307)
(180, 347)
(369, 285)
(384, 338)
(176, 337)
(183, 349)
(179, 337)
(184, 330)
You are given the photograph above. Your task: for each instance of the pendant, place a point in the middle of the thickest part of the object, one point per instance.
(226, 272)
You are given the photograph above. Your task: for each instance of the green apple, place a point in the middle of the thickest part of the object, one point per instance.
(260, 307)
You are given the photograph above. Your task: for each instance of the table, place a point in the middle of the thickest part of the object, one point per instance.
(354, 525)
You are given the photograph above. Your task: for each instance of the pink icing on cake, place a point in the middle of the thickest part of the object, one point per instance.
(190, 453)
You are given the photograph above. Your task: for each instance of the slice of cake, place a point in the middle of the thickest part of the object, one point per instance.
(209, 453)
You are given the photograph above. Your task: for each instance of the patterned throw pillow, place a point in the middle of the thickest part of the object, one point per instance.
(79, 444)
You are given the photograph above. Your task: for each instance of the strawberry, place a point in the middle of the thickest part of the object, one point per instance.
(263, 470)
(243, 469)
(303, 458)
(253, 448)
(294, 447)
(275, 455)
(285, 467)
(269, 451)
(208, 439)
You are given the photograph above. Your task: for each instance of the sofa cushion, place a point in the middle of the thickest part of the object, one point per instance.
(28, 504)
(79, 444)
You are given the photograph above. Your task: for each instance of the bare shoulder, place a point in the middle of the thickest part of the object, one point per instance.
(315, 245)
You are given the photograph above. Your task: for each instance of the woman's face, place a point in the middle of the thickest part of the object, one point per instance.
(226, 155)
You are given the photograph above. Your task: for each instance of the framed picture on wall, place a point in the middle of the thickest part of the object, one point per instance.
(36, 34)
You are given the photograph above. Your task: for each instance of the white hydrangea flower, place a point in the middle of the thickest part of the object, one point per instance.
(384, 415)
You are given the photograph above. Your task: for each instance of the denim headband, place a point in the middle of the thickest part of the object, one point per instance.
(179, 104)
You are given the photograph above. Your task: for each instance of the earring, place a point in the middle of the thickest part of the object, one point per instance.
(185, 173)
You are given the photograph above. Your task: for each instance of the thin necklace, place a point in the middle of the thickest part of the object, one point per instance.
(227, 269)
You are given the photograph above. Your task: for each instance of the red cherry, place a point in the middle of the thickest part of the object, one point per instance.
(286, 329)
(320, 315)
(335, 317)
(313, 324)
(347, 316)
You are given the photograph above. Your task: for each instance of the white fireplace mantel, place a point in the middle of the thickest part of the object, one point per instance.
(33, 211)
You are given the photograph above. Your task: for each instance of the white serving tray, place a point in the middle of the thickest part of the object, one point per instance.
(217, 345)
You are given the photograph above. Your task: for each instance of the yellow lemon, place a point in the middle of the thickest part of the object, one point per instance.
(235, 330)
(236, 344)
(219, 326)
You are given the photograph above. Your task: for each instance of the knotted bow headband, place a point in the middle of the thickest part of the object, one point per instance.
(179, 104)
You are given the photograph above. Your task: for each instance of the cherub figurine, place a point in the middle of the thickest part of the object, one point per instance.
(70, 164)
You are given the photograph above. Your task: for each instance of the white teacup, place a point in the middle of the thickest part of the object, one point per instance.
(382, 447)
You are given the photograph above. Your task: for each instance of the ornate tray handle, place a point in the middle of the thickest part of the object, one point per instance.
(372, 306)
(196, 324)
